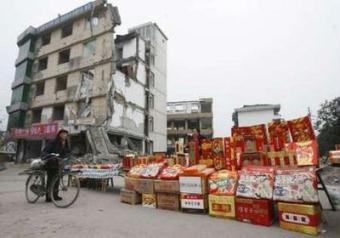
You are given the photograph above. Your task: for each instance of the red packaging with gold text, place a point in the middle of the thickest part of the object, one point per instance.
(206, 150)
(278, 135)
(255, 211)
(281, 158)
(301, 129)
(194, 154)
(300, 217)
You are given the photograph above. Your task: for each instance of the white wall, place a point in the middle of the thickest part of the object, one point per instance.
(130, 48)
(133, 92)
(255, 117)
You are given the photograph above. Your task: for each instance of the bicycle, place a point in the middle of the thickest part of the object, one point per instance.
(36, 187)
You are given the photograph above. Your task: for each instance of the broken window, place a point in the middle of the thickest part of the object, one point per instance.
(127, 70)
(151, 79)
(119, 53)
(43, 63)
(64, 56)
(66, 30)
(151, 124)
(61, 83)
(179, 125)
(205, 107)
(45, 39)
(90, 48)
(40, 88)
(193, 124)
(206, 123)
(84, 109)
(58, 113)
(36, 115)
(152, 59)
(91, 22)
(151, 99)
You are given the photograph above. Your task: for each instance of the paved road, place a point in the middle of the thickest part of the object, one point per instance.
(97, 214)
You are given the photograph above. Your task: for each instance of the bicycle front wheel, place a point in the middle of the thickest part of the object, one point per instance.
(64, 190)
(35, 187)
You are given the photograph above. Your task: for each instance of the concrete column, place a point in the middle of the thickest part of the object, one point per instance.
(186, 124)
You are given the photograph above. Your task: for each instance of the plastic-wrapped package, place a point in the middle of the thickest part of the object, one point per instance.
(256, 182)
(171, 172)
(152, 170)
(136, 171)
(296, 185)
(223, 182)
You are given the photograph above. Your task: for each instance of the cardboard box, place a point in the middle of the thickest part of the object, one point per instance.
(193, 184)
(194, 201)
(166, 186)
(130, 183)
(168, 201)
(300, 217)
(145, 186)
(149, 200)
(255, 211)
(129, 196)
(222, 206)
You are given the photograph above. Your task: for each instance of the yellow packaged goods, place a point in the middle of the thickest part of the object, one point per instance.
(149, 200)
(300, 217)
(223, 182)
(168, 201)
(166, 186)
(222, 206)
(129, 196)
(130, 183)
(145, 186)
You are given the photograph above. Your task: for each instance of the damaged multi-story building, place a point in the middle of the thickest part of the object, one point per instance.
(183, 117)
(74, 73)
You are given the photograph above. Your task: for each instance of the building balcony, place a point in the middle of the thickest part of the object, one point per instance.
(183, 116)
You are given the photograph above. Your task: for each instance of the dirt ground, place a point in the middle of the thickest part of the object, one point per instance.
(98, 214)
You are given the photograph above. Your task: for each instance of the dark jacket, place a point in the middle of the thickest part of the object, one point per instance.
(56, 147)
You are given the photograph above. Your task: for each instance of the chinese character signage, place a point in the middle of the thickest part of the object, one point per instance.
(36, 131)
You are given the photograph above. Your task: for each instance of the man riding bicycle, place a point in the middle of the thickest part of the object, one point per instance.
(54, 163)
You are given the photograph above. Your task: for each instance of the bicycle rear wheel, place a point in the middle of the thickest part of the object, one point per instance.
(67, 190)
(35, 187)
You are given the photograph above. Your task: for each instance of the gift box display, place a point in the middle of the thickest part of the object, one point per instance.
(301, 129)
(278, 135)
(306, 152)
(255, 211)
(296, 185)
(222, 206)
(256, 182)
(300, 217)
(223, 182)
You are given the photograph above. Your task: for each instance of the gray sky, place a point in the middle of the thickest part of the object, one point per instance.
(236, 51)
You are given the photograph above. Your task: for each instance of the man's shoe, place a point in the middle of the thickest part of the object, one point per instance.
(48, 200)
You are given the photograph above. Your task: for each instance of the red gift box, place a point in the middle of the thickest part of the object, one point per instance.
(278, 135)
(255, 211)
(281, 158)
(257, 158)
(301, 129)
(306, 152)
